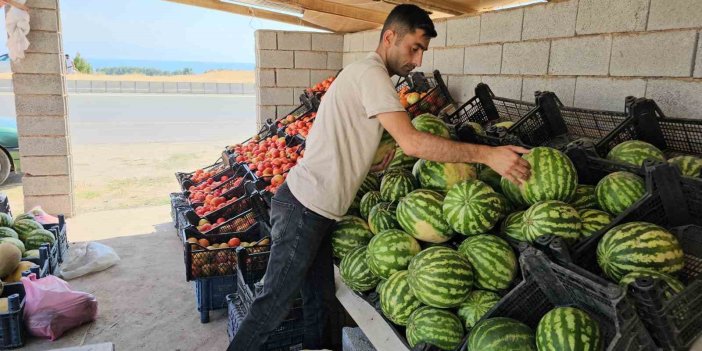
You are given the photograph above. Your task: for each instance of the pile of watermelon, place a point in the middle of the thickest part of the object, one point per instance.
(24, 232)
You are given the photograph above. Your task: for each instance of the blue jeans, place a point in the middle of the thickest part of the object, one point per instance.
(300, 262)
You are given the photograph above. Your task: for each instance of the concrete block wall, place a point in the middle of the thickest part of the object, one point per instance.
(591, 53)
(289, 62)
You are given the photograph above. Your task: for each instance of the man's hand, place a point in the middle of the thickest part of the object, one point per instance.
(506, 161)
(384, 163)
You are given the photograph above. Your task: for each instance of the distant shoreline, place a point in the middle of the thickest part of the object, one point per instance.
(223, 76)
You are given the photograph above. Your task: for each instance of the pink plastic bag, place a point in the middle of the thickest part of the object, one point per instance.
(51, 307)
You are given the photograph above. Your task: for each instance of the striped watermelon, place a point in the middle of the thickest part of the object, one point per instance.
(513, 226)
(386, 145)
(478, 303)
(513, 194)
(440, 277)
(593, 221)
(25, 226)
(493, 261)
(635, 152)
(379, 286)
(489, 176)
(38, 237)
(369, 200)
(6, 232)
(397, 183)
(501, 334)
(636, 246)
(689, 166)
(431, 124)
(391, 251)
(674, 286)
(568, 329)
(419, 214)
(5, 220)
(349, 233)
(397, 300)
(382, 217)
(441, 177)
(434, 326)
(472, 207)
(25, 216)
(370, 183)
(552, 217)
(355, 272)
(553, 176)
(508, 208)
(402, 160)
(619, 190)
(584, 197)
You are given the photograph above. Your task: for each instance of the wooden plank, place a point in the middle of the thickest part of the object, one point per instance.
(452, 8)
(337, 9)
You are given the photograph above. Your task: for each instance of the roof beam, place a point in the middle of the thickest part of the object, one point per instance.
(338, 9)
(452, 8)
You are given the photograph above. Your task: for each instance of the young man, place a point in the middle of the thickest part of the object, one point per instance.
(360, 103)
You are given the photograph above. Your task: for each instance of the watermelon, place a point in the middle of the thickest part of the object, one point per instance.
(391, 251)
(429, 123)
(25, 216)
(440, 277)
(31, 253)
(477, 128)
(584, 197)
(489, 176)
(396, 298)
(14, 241)
(508, 208)
(478, 303)
(38, 237)
(380, 284)
(472, 207)
(493, 261)
(568, 329)
(553, 176)
(674, 286)
(689, 166)
(382, 217)
(369, 200)
(501, 334)
(370, 183)
(513, 226)
(441, 177)
(354, 271)
(635, 152)
(434, 326)
(386, 145)
(619, 190)
(25, 226)
(513, 194)
(593, 221)
(419, 214)
(552, 217)
(349, 233)
(397, 183)
(5, 220)
(402, 160)
(637, 246)
(8, 233)
(505, 124)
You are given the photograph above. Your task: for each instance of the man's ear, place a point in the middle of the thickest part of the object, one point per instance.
(388, 37)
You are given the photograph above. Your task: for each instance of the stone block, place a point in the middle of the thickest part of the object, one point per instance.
(264, 113)
(38, 84)
(440, 40)
(483, 59)
(274, 59)
(46, 185)
(563, 87)
(43, 20)
(610, 16)
(335, 60)
(553, 20)
(507, 87)
(670, 14)
(294, 41)
(698, 64)
(116, 87)
(370, 40)
(668, 54)
(43, 146)
(525, 58)
(62, 204)
(275, 96)
(40, 105)
(355, 42)
(580, 56)
(266, 40)
(43, 42)
(606, 93)
(265, 77)
(41, 125)
(427, 62)
(463, 31)
(347, 43)
(44, 166)
(317, 76)
(449, 60)
(501, 26)
(327, 42)
(284, 110)
(42, 4)
(39, 63)
(310, 59)
(677, 98)
(292, 78)
(462, 88)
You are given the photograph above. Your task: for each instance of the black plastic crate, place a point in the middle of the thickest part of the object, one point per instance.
(185, 179)
(248, 193)
(211, 294)
(435, 100)
(12, 331)
(43, 262)
(59, 230)
(229, 188)
(289, 336)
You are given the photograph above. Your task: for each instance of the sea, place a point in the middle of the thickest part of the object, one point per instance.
(197, 66)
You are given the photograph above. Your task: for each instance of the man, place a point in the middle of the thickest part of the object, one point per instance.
(360, 103)
(69, 65)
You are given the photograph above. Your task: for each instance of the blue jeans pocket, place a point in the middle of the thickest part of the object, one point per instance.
(281, 213)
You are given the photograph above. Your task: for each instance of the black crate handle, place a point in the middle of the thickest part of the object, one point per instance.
(485, 95)
(667, 180)
(535, 263)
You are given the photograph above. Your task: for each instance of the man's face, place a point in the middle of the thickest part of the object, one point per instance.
(405, 54)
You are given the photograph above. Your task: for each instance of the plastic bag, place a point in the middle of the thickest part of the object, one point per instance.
(87, 257)
(51, 307)
(42, 217)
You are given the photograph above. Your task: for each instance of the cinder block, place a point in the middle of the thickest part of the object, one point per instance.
(525, 58)
(449, 61)
(266, 40)
(698, 64)
(335, 60)
(42, 4)
(41, 125)
(284, 110)
(352, 57)
(57, 204)
(35, 84)
(184, 87)
(40, 105)
(264, 113)
(297, 92)
(39, 63)
(310, 59)
(328, 42)
(292, 78)
(317, 76)
(210, 88)
(483, 59)
(370, 40)
(265, 77)
(508, 87)
(44, 20)
(347, 42)
(196, 88)
(659, 54)
(610, 16)
(462, 88)
(563, 87)
(463, 31)
(274, 59)
(130, 87)
(43, 166)
(501, 26)
(275, 96)
(142, 87)
(677, 98)
(606, 93)
(294, 41)
(580, 56)
(171, 87)
(43, 146)
(116, 87)
(43, 42)
(157, 87)
(427, 62)
(440, 40)
(669, 14)
(553, 20)
(356, 42)
(98, 86)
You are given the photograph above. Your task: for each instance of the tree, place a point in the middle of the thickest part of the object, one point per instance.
(81, 65)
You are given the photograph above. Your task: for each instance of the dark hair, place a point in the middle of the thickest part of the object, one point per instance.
(407, 19)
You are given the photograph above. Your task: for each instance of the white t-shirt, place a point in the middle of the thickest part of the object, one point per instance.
(342, 143)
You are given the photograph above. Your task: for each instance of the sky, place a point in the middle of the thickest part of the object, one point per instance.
(156, 30)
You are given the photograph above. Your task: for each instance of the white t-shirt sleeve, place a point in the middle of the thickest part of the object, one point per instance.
(378, 95)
